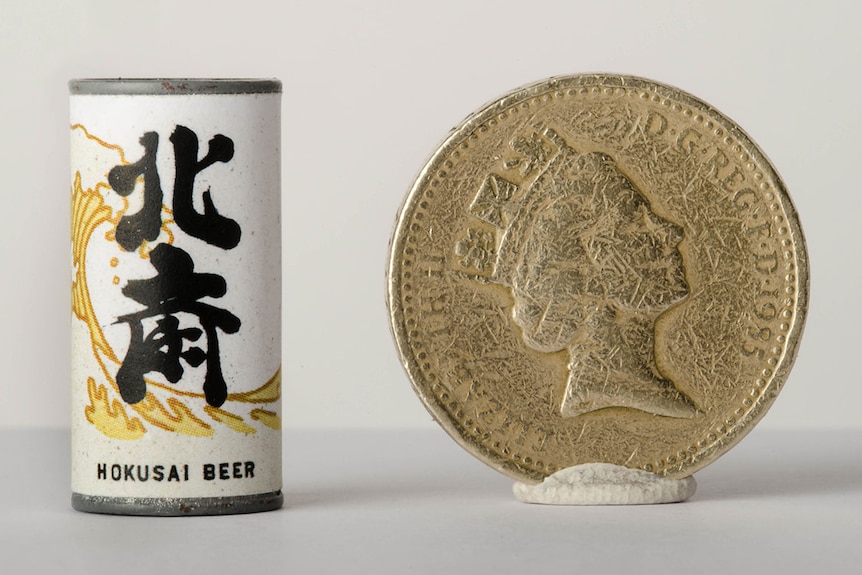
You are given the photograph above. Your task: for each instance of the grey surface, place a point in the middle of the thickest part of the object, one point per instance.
(172, 86)
(413, 502)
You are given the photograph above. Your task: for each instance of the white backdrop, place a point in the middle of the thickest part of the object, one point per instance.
(370, 89)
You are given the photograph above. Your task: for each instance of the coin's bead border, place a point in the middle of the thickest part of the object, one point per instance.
(407, 264)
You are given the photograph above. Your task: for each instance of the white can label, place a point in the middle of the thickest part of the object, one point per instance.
(176, 295)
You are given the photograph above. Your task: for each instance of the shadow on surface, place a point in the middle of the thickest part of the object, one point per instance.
(399, 486)
(383, 468)
(788, 465)
(348, 495)
(427, 468)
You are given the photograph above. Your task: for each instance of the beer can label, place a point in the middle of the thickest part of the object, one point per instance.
(176, 291)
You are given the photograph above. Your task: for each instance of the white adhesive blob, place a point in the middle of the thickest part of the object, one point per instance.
(605, 484)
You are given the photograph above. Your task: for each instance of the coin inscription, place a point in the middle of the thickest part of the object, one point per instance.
(598, 269)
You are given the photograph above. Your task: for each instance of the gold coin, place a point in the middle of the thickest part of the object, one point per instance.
(598, 268)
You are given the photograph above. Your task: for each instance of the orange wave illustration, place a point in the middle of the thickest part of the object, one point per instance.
(89, 211)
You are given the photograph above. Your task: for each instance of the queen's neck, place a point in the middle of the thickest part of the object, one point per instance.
(612, 364)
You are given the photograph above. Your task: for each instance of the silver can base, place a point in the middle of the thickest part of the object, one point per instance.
(178, 507)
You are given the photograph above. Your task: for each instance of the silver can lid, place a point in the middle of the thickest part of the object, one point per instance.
(172, 86)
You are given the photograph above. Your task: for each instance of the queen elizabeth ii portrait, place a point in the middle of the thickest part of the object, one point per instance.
(591, 267)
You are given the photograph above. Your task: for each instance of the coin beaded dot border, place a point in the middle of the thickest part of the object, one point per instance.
(756, 392)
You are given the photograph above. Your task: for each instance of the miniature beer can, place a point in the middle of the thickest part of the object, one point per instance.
(176, 296)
